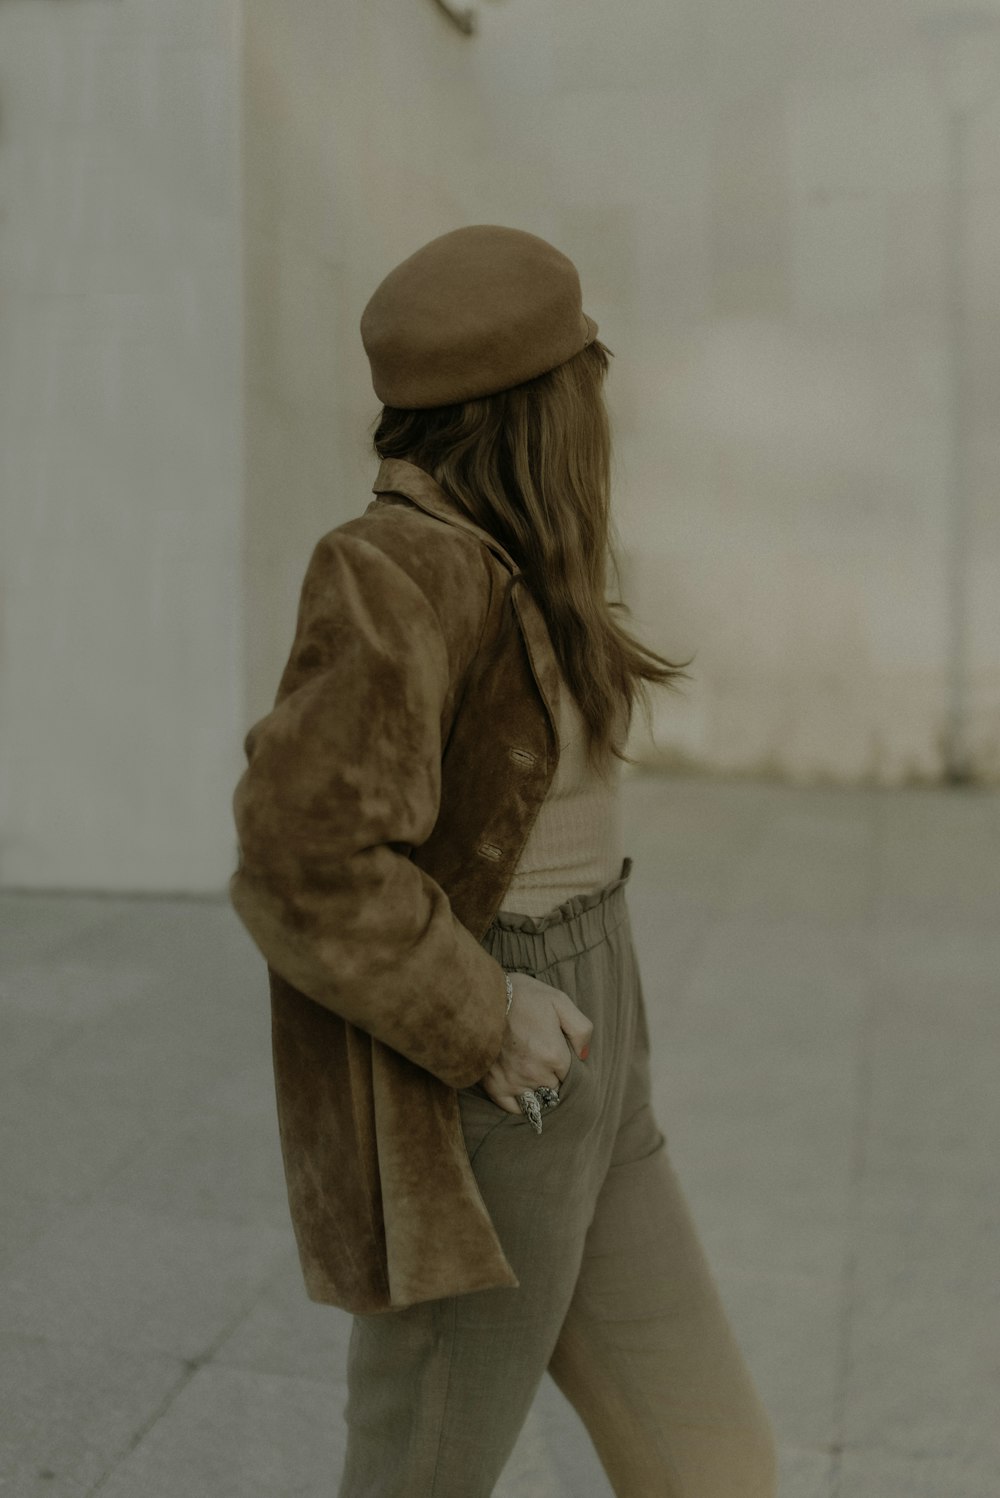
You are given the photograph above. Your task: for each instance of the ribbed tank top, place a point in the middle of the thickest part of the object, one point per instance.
(576, 843)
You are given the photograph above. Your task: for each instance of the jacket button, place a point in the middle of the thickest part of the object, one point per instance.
(490, 850)
(522, 757)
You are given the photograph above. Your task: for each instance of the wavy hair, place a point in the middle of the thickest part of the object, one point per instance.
(532, 466)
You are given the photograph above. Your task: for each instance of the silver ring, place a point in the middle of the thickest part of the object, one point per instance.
(530, 1103)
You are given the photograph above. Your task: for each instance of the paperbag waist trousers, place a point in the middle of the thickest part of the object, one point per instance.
(616, 1300)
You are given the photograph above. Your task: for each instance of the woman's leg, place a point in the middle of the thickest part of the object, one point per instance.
(438, 1393)
(646, 1354)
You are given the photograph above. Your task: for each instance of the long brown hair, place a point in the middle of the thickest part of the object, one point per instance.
(532, 466)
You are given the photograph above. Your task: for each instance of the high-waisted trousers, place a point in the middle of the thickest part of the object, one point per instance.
(616, 1300)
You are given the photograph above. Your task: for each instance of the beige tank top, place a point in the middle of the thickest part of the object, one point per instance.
(576, 842)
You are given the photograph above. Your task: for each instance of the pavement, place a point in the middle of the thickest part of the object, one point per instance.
(821, 969)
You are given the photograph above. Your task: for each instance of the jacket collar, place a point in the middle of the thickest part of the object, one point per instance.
(398, 476)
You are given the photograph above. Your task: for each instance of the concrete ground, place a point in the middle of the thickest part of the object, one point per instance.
(822, 973)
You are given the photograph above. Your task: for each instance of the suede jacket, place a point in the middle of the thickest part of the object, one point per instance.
(386, 800)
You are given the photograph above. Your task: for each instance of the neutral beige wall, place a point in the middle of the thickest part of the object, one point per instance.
(121, 667)
(760, 212)
(771, 198)
(762, 207)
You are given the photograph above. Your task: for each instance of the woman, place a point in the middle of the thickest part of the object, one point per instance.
(431, 860)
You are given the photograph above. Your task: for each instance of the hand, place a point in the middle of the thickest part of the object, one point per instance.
(534, 1051)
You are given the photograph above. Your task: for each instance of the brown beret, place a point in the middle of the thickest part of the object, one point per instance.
(474, 311)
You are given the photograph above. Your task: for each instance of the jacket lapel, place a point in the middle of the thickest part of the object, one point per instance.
(398, 476)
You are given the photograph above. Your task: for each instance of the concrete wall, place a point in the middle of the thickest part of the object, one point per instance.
(784, 243)
(121, 445)
(791, 257)
(766, 224)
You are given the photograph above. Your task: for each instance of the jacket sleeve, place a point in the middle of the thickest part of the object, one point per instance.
(343, 777)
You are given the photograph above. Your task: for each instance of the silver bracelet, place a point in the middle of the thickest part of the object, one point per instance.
(510, 992)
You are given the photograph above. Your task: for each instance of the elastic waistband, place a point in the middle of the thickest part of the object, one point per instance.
(578, 923)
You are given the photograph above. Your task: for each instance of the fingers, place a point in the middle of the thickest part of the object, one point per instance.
(574, 1024)
(508, 1103)
(579, 1040)
(509, 1100)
